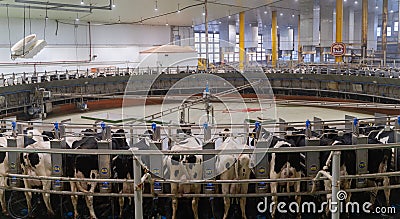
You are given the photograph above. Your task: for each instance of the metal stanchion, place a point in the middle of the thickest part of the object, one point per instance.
(335, 204)
(138, 191)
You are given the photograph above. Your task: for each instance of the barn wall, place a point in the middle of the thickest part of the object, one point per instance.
(119, 45)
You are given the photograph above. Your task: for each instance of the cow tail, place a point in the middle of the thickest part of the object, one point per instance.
(288, 172)
(237, 168)
(80, 187)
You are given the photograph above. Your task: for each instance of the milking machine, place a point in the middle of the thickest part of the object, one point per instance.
(312, 158)
(156, 160)
(15, 141)
(282, 127)
(261, 170)
(318, 126)
(361, 154)
(209, 168)
(104, 161)
(209, 160)
(57, 159)
(156, 167)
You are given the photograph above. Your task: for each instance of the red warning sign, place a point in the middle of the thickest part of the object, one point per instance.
(338, 49)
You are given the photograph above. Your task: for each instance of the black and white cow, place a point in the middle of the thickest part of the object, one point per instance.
(183, 168)
(233, 167)
(122, 168)
(284, 166)
(37, 164)
(378, 162)
(3, 174)
(86, 166)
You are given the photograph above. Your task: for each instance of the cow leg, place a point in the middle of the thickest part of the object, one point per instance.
(174, 207)
(244, 189)
(328, 186)
(74, 199)
(174, 190)
(28, 197)
(195, 201)
(121, 206)
(89, 198)
(297, 190)
(374, 192)
(386, 182)
(195, 204)
(227, 200)
(274, 190)
(46, 197)
(3, 183)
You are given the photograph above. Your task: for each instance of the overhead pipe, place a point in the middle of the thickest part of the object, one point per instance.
(63, 5)
(44, 8)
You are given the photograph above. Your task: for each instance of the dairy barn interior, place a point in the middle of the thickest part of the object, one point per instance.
(204, 109)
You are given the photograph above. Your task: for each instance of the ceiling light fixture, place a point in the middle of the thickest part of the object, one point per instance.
(265, 12)
(355, 2)
(179, 10)
(119, 19)
(281, 14)
(77, 18)
(292, 15)
(156, 7)
(391, 11)
(82, 2)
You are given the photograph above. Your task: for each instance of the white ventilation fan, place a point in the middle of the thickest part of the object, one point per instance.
(27, 47)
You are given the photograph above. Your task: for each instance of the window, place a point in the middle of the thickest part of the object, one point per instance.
(396, 26)
(213, 46)
(378, 31)
(389, 31)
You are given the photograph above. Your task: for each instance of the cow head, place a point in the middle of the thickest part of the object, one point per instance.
(119, 140)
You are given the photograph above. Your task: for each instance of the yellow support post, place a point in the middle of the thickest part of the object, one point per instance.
(339, 25)
(299, 49)
(364, 30)
(241, 41)
(274, 39)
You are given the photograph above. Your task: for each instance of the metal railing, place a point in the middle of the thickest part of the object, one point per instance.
(10, 79)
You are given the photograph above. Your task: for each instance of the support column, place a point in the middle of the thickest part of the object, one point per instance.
(241, 41)
(274, 39)
(299, 49)
(398, 36)
(351, 25)
(384, 29)
(339, 25)
(206, 29)
(364, 30)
